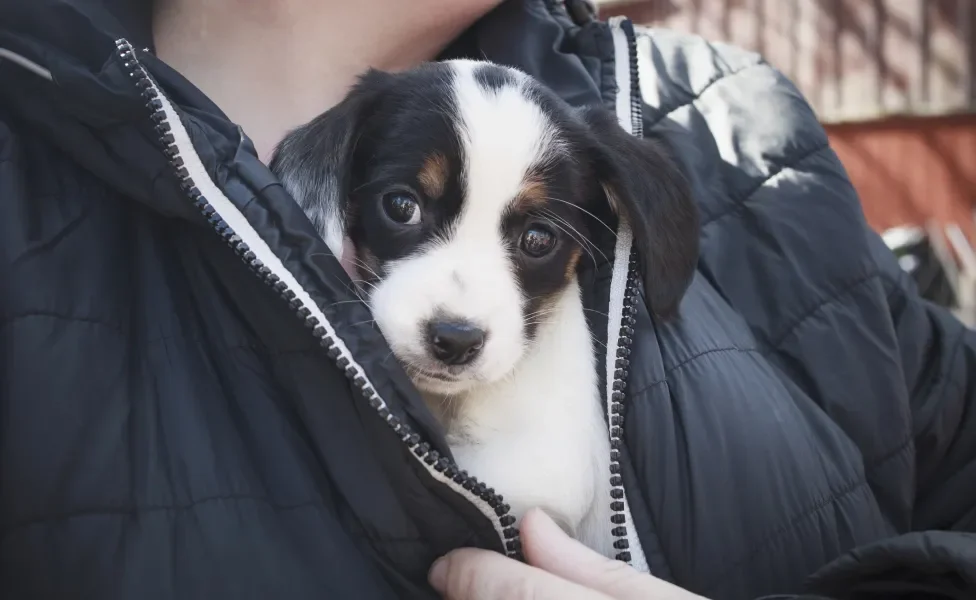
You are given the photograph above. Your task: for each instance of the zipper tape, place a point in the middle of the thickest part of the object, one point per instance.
(624, 295)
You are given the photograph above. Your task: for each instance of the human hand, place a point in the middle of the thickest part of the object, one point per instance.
(560, 568)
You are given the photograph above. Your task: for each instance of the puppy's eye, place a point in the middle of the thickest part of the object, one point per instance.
(402, 207)
(537, 241)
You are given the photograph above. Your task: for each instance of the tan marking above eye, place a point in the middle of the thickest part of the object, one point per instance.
(433, 175)
(533, 194)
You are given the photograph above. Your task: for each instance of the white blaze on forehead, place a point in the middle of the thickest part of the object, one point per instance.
(468, 272)
(503, 135)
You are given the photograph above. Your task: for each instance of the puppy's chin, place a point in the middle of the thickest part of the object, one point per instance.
(452, 382)
(441, 386)
(443, 383)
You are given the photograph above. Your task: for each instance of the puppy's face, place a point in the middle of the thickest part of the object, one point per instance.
(465, 194)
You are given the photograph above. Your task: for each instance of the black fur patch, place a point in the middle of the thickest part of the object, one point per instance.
(493, 77)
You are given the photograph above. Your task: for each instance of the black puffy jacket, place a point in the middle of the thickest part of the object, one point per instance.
(187, 409)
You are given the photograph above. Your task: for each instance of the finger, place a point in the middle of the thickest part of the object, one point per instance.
(549, 548)
(470, 574)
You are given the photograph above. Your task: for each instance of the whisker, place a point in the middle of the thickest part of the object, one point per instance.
(596, 218)
(314, 254)
(357, 301)
(579, 237)
(596, 340)
(357, 323)
(587, 242)
(359, 263)
(367, 268)
(352, 289)
(562, 225)
(365, 282)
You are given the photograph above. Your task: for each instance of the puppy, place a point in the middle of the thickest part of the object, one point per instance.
(462, 197)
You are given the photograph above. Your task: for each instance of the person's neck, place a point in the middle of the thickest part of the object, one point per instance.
(272, 65)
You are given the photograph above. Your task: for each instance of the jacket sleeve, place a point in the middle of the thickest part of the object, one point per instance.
(938, 559)
(936, 556)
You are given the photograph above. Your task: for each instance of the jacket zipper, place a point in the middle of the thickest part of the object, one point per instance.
(622, 537)
(443, 469)
(618, 515)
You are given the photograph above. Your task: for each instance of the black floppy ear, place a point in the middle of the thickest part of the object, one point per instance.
(314, 161)
(643, 183)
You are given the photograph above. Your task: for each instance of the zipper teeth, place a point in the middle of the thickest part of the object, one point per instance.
(621, 373)
(618, 516)
(636, 100)
(432, 458)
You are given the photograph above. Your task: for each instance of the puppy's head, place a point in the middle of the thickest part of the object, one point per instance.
(462, 196)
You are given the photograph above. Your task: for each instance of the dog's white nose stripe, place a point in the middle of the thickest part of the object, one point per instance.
(504, 134)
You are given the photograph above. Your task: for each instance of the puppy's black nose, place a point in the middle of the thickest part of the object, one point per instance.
(454, 342)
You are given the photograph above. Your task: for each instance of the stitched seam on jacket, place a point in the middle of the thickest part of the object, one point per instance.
(739, 203)
(698, 95)
(953, 386)
(820, 504)
(848, 489)
(945, 377)
(689, 360)
(892, 286)
(831, 298)
(870, 464)
(53, 315)
(132, 510)
(257, 348)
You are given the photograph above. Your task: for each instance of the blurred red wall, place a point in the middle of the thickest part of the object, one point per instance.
(911, 169)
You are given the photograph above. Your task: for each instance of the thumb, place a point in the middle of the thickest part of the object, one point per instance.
(547, 547)
(470, 574)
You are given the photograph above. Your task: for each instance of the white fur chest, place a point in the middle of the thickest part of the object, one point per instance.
(540, 436)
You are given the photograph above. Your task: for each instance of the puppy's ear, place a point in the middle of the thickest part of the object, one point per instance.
(314, 161)
(647, 187)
